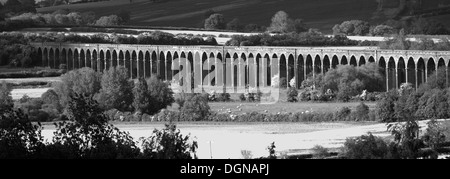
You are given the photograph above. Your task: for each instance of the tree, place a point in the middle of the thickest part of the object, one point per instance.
(280, 23)
(19, 138)
(382, 30)
(6, 101)
(215, 21)
(168, 143)
(160, 93)
(88, 135)
(116, 89)
(353, 27)
(366, 147)
(195, 108)
(141, 102)
(386, 107)
(51, 98)
(82, 81)
(235, 25)
(112, 20)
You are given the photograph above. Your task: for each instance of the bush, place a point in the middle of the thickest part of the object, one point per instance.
(51, 98)
(353, 27)
(242, 97)
(434, 136)
(215, 21)
(366, 147)
(362, 112)
(116, 89)
(19, 138)
(81, 81)
(224, 97)
(168, 143)
(160, 95)
(195, 108)
(292, 94)
(89, 135)
(385, 107)
(320, 152)
(112, 20)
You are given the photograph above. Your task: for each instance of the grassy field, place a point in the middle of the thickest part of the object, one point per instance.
(281, 107)
(321, 14)
(7, 69)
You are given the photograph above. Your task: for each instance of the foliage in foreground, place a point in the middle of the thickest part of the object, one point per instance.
(87, 135)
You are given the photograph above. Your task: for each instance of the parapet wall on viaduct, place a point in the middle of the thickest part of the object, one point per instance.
(240, 69)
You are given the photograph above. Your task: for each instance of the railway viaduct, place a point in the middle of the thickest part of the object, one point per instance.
(239, 69)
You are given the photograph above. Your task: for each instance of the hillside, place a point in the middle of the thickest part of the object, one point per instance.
(320, 14)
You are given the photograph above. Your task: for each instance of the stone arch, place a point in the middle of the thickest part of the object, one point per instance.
(94, 61)
(83, 58)
(114, 60)
(121, 61)
(234, 69)
(431, 67)
(401, 72)
(133, 64)
(260, 71)
(283, 70)
(309, 66)
(45, 59)
(362, 61)
(268, 77)
(127, 61)
(382, 64)
(108, 59)
(197, 69)
(162, 66)
(252, 73)
(140, 64)
(334, 61)
(326, 64)
(300, 70)
(57, 60)
(101, 62)
(154, 64)
(421, 71)
(208, 64)
(64, 57)
(441, 63)
(220, 72)
(371, 59)
(70, 59)
(76, 59)
(317, 65)
(291, 70)
(147, 64)
(410, 71)
(169, 66)
(353, 61)
(275, 66)
(392, 81)
(344, 60)
(51, 57)
(190, 65)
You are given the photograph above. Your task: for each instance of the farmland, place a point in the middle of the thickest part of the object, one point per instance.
(322, 14)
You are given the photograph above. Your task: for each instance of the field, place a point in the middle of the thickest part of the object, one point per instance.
(229, 139)
(284, 107)
(320, 14)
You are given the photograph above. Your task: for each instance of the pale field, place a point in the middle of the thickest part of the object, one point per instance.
(229, 139)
